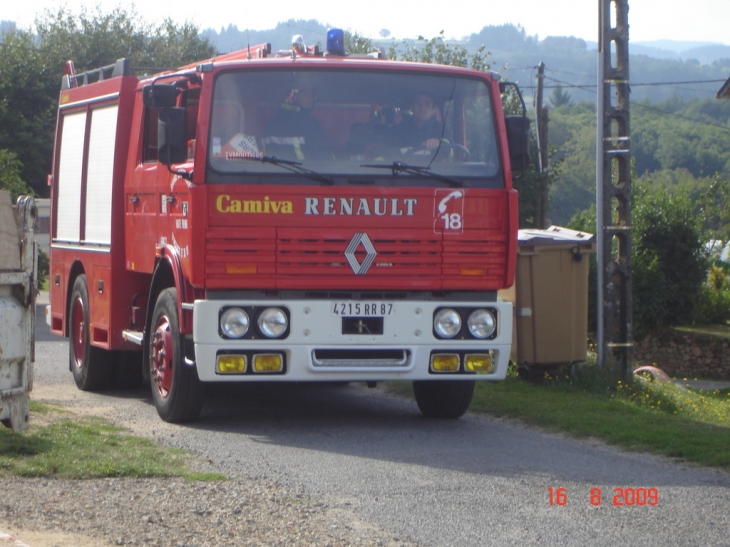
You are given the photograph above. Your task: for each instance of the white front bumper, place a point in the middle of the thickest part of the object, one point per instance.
(313, 328)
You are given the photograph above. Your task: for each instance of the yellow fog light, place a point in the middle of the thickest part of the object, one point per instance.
(231, 364)
(479, 362)
(446, 362)
(268, 363)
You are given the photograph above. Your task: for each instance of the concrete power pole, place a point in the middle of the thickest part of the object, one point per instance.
(613, 188)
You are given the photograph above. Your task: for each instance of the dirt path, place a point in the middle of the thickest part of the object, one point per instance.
(11, 536)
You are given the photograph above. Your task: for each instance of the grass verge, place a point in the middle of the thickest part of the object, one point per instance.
(67, 446)
(723, 331)
(641, 416)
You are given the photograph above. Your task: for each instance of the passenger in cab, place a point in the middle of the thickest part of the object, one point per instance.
(293, 132)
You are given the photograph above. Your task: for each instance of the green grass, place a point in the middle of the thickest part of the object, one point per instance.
(642, 416)
(722, 331)
(68, 446)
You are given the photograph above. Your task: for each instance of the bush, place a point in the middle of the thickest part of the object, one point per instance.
(42, 273)
(585, 221)
(713, 306)
(669, 265)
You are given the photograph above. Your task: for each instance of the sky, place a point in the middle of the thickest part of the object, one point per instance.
(649, 20)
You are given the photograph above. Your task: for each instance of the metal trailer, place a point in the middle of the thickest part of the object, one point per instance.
(18, 266)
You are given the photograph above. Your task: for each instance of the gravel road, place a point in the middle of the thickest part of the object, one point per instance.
(319, 465)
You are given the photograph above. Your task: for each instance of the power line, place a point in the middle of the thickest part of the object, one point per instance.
(679, 83)
(638, 84)
(592, 89)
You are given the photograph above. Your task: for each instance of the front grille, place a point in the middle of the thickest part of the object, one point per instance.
(360, 358)
(303, 259)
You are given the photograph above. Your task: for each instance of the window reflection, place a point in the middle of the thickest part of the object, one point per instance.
(344, 122)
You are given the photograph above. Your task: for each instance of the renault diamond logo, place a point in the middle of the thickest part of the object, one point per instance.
(370, 253)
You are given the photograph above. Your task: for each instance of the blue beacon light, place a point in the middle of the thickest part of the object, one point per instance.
(336, 41)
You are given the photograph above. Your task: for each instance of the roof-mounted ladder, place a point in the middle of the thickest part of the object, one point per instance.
(71, 79)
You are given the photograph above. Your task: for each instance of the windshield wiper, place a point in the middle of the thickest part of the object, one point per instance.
(294, 167)
(399, 167)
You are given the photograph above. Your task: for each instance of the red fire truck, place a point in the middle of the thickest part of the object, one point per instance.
(295, 216)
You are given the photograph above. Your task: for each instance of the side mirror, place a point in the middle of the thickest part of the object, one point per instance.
(172, 130)
(160, 95)
(518, 140)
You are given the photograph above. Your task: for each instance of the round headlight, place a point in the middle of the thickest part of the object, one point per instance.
(482, 324)
(234, 322)
(447, 323)
(273, 322)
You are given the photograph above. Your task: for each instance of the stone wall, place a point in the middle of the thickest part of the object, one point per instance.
(686, 355)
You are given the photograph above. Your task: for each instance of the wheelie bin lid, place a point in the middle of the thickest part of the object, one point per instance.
(555, 235)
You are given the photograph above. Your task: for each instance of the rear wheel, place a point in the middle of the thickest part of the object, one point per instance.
(91, 366)
(443, 399)
(176, 388)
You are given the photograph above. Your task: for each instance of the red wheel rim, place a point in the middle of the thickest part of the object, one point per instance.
(162, 356)
(78, 332)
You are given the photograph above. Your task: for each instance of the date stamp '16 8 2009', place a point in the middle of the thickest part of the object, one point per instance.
(622, 497)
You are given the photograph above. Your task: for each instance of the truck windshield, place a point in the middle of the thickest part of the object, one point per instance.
(345, 123)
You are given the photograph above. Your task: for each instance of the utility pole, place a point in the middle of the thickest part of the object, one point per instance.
(542, 118)
(613, 189)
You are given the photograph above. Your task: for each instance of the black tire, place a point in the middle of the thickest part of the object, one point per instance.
(127, 370)
(443, 399)
(176, 389)
(91, 366)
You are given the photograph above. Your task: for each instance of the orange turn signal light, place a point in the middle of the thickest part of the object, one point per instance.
(241, 270)
(473, 271)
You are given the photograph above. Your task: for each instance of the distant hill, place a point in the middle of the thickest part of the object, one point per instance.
(6, 26)
(675, 45)
(704, 52)
(570, 62)
(231, 38)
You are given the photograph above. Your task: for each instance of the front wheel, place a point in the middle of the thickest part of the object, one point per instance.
(443, 399)
(176, 389)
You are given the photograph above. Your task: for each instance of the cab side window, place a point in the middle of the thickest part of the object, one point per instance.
(149, 146)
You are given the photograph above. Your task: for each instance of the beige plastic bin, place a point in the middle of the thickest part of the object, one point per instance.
(550, 296)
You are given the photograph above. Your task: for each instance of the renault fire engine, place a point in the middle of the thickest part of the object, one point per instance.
(278, 217)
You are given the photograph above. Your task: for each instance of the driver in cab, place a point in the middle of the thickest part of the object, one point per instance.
(422, 131)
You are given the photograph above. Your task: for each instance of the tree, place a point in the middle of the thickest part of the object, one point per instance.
(32, 63)
(356, 43)
(10, 179)
(28, 94)
(669, 262)
(95, 38)
(668, 257)
(559, 97)
(506, 38)
(438, 51)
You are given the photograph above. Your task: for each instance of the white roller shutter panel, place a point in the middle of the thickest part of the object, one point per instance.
(100, 175)
(69, 177)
